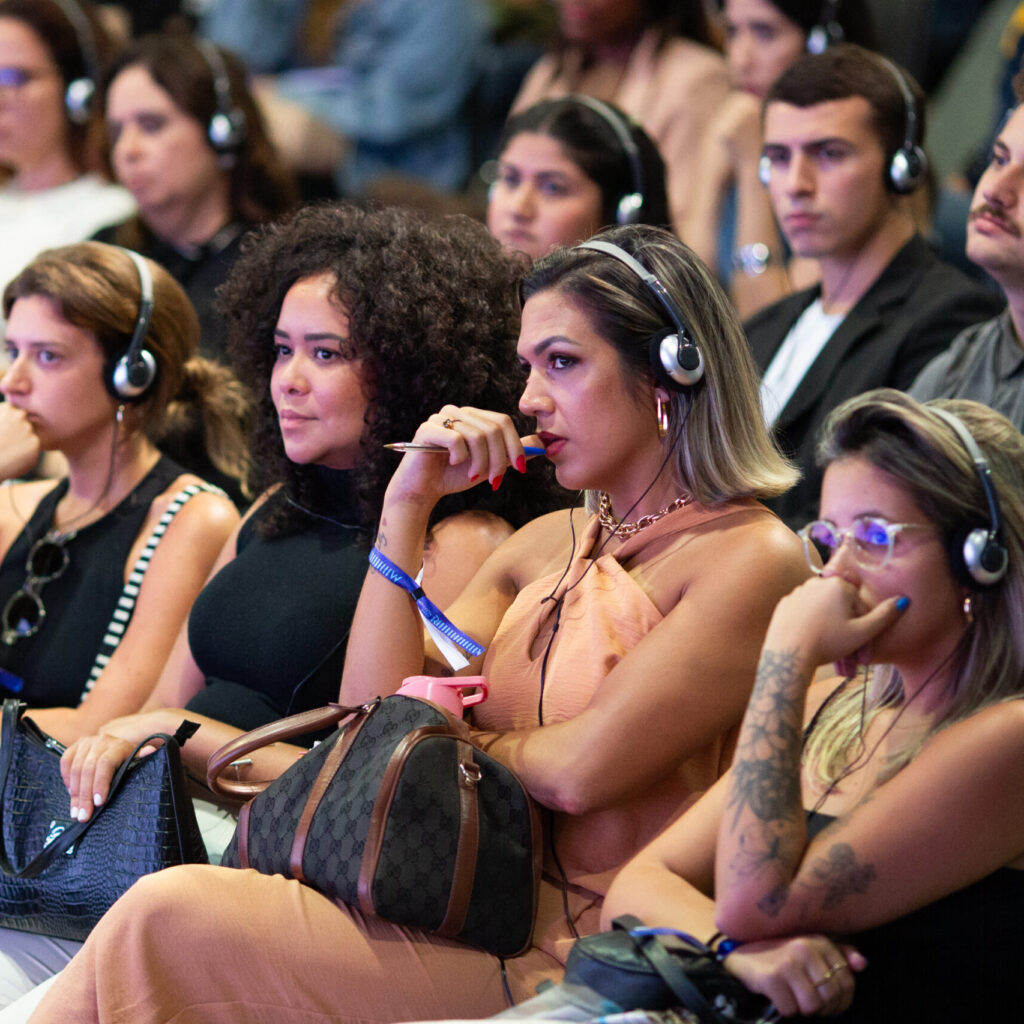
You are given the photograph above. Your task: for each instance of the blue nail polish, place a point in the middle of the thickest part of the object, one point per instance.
(903, 604)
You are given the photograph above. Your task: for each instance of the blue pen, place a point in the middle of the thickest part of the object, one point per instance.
(412, 446)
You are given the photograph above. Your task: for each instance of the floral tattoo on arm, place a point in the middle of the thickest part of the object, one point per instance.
(766, 788)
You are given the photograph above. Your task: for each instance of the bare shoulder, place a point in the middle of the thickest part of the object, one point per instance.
(479, 529)
(689, 62)
(750, 533)
(210, 510)
(996, 732)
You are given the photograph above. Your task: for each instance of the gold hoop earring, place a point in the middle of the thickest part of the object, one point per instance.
(968, 609)
(661, 413)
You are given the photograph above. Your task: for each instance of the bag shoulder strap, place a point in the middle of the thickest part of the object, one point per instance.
(126, 602)
(669, 969)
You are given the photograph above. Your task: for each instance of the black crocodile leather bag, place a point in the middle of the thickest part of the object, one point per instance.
(57, 876)
(396, 813)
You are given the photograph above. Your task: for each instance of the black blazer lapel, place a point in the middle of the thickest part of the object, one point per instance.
(891, 288)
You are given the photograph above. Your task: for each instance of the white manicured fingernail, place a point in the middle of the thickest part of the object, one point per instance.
(97, 799)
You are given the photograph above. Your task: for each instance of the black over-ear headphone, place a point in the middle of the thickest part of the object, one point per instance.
(977, 554)
(79, 93)
(827, 31)
(133, 373)
(909, 165)
(631, 204)
(675, 358)
(226, 129)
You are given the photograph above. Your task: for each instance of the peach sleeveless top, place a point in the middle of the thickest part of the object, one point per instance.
(606, 612)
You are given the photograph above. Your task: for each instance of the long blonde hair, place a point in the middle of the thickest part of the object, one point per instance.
(722, 449)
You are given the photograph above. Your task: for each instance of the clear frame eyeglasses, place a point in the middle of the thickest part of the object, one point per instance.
(871, 537)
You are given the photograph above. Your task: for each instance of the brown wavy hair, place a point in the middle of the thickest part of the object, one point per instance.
(261, 187)
(96, 287)
(433, 315)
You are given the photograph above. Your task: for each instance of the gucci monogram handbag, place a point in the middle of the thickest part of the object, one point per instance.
(398, 814)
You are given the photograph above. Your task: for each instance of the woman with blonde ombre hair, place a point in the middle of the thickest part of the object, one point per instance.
(864, 857)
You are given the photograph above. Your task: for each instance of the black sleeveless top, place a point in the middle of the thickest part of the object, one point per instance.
(269, 631)
(55, 662)
(955, 960)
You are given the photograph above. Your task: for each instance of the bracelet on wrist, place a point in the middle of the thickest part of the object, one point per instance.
(752, 259)
(447, 637)
(721, 946)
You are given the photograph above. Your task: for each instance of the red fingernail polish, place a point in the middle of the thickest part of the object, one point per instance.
(496, 482)
(521, 463)
(473, 479)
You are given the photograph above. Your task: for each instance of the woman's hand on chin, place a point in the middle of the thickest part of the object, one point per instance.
(809, 974)
(481, 445)
(826, 620)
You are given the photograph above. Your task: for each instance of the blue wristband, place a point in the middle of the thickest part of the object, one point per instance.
(430, 613)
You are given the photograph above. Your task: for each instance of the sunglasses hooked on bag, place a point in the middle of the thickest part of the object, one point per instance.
(57, 876)
(398, 814)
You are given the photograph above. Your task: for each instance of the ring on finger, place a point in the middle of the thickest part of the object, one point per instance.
(833, 970)
(447, 424)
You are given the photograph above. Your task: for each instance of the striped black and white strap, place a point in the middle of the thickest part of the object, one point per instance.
(126, 602)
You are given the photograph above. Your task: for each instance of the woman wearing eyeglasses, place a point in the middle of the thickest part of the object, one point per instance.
(70, 571)
(51, 192)
(865, 851)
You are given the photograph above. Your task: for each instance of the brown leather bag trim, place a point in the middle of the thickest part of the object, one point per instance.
(382, 809)
(242, 831)
(464, 871)
(330, 767)
(285, 729)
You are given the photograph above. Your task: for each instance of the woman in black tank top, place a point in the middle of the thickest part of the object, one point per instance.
(98, 570)
(869, 863)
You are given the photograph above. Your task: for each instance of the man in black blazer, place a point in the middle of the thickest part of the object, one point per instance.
(841, 154)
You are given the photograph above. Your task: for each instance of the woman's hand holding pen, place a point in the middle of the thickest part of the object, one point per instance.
(480, 445)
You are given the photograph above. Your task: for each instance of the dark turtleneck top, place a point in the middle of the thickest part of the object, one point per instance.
(269, 631)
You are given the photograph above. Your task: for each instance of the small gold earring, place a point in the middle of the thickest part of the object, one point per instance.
(968, 608)
(661, 412)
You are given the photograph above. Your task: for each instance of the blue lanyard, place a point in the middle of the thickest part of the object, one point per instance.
(434, 618)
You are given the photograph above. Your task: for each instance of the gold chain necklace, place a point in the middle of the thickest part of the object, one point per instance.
(608, 521)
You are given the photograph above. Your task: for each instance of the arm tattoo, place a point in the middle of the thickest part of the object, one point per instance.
(839, 875)
(766, 772)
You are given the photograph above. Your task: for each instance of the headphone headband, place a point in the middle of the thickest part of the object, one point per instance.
(226, 129)
(79, 92)
(133, 374)
(827, 30)
(631, 204)
(983, 556)
(675, 358)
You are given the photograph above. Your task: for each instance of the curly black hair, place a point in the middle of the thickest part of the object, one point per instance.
(433, 313)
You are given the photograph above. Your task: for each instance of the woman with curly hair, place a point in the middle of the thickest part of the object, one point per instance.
(349, 326)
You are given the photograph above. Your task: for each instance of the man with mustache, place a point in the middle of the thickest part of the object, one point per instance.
(841, 155)
(986, 361)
